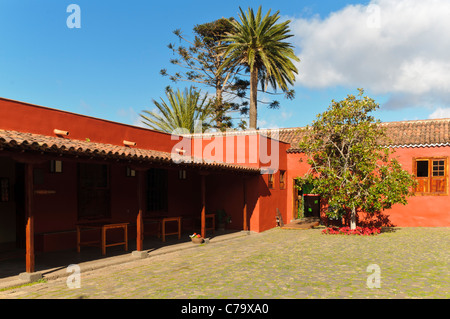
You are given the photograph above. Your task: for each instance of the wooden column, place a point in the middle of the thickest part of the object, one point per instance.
(139, 221)
(29, 216)
(203, 218)
(244, 212)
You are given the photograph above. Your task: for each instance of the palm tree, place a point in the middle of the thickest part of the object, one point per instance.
(185, 110)
(258, 43)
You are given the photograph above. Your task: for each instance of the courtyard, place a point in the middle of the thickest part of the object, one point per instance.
(275, 264)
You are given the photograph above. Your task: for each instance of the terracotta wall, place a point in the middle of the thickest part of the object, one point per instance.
(29, 118)
(426, 211)
(296, 166)
(254, 151)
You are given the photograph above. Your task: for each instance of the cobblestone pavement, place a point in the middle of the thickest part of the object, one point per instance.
(413, 263)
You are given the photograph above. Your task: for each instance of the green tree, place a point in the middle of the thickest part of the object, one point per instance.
(258, 43)
(182, 110)
(350, 165)
(199, 61)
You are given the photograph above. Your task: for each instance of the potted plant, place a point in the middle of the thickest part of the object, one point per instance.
(196, 238)
(222, 219)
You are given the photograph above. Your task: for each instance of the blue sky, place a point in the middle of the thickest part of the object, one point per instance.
(109, 68)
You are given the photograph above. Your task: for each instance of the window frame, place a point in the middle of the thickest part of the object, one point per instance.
(270, 181)
(86, 190)
(157, 191)
(430, 179)
(282, 179)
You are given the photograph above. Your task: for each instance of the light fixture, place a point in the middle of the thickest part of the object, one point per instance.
(55, 166)
(60, 132)
(131, 172)
(129, 143)
(182, 174)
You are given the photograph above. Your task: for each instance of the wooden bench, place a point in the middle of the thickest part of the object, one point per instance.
(54, 240)
(162, 221)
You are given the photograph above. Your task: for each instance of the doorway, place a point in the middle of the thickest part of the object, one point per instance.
(12, 205)
(305, 204)
(93, 191)
(311, 205)
(19, 198)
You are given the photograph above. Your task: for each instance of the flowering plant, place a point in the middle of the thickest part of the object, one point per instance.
(364, 231)
(195, 235)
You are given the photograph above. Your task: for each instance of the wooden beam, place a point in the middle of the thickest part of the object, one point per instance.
(245, 226)
(29, 230)
(139, 221)
(203, 218)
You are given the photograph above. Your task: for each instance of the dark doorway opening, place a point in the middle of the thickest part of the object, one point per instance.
(19, 199)
(312, 205)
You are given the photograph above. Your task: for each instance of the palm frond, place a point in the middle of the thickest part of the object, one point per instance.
(183, 109)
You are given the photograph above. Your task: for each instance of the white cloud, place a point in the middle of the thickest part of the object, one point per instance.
(440, 113)
(400, 48)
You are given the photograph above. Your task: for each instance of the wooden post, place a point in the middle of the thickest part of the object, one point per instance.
(203, 218)
(103, 241)
(29, 229)
(245, 226)
(139, 221)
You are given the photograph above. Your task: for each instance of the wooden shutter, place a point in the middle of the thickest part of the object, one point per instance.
(422, 175)
(282, 179)
(431, 175)
(438, 176)
(270, 181)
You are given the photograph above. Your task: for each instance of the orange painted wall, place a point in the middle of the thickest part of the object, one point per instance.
(253, 151)
(29, 118)
(295, 169)
(426, 211)
(272, 198)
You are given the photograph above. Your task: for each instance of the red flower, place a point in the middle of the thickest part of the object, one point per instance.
(366, 231)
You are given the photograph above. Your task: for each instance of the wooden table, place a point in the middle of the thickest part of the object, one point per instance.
(103, 227)
(162, 225)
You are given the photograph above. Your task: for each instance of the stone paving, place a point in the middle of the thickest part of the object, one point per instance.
(413, 263)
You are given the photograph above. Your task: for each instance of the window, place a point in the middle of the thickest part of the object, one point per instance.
(182, 174)
(4, 190)
(131, 172)
(55, 166)
(93, 191)
(157, 199)
(282, 179)
(431, 175)
(270, 180)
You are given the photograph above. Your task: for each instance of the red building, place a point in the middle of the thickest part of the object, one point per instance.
(422, 147)
(60, 170)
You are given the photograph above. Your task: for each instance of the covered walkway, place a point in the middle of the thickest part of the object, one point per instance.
(53, 265)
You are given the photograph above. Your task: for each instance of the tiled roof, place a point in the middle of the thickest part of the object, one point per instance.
(10, 140)
(418, 133)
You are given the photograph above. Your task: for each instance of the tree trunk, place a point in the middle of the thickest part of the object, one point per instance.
(253, 97)
(218, 109)
(353, 219)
